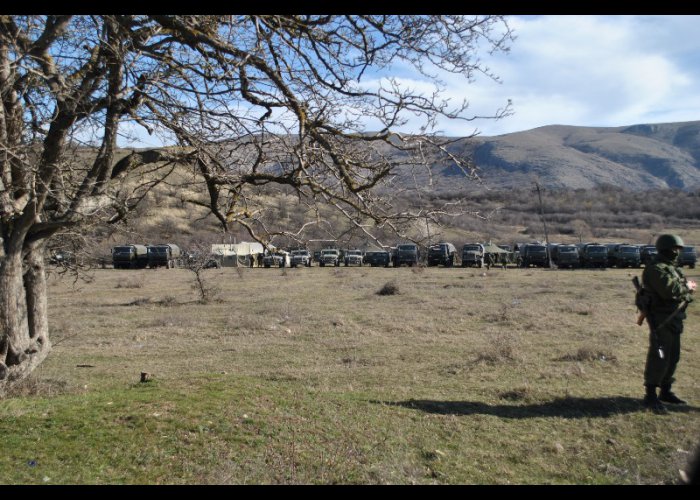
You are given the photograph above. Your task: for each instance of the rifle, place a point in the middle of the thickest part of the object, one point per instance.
(639, 301)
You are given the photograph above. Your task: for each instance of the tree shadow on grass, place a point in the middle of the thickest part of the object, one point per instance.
(567, 407)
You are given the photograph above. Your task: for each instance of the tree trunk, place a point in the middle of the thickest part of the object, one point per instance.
(23, 315)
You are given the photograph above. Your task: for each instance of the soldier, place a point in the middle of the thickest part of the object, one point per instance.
(670, 294)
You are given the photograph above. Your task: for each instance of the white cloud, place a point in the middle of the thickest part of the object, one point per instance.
(594, 71)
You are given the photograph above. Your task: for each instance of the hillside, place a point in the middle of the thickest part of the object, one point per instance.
(591, 179)
(637, 157)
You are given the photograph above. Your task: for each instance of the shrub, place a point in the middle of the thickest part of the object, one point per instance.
(389, 288)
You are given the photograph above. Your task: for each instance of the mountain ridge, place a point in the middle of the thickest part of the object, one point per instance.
(636, 157)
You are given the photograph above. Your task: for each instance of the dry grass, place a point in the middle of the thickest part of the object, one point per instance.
(313, 376)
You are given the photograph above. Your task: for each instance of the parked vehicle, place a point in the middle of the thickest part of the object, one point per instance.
(688, 257)
(407, 253)
(195, 260)
(212, 263)
(442, 254)
(300, 257)
(278, 258)
(594, 255)
(647, 254)
(353, 258)
(130, 257)
(611, 253)
(533, 254)
(377, 258)
(473, 255)
(566, 256)
(165, 255)
(329, 257)
(626, 256)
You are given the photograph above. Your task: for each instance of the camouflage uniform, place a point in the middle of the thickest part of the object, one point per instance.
(669, 289)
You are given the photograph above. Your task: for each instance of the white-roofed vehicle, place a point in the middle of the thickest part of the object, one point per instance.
(300, 257)
(278, 258)
(353, 258)
(329, 257)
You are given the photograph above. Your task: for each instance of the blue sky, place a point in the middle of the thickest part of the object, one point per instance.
(581, 70)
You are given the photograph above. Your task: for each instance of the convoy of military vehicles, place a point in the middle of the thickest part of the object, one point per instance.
(523, 255)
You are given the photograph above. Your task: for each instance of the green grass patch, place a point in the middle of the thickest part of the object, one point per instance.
(314, 378)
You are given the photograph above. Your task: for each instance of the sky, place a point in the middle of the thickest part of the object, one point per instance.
(583, 70)
(593, 71)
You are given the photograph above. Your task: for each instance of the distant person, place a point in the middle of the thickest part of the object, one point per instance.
(670, 293)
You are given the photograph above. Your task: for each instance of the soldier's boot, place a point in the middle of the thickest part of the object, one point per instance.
(667, 396)
(651, 401)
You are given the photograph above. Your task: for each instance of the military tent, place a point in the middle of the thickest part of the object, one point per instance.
(245, 253)
(491, 248)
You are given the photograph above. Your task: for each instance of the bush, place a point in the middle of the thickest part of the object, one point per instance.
(389, 288)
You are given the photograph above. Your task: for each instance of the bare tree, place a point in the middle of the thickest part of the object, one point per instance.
(253, 105)
(199, 260)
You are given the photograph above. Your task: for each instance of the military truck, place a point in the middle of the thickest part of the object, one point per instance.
(442, 254)
(566, 256)
(594, 255)
(647, 254)
(473, 255)
(352, 258)
(533, 254)
(407, 253)
(278, 258)
(300, 257)
(329, 257)
(166, 255)
(611, 253)
(625, 255)
(130, 256)
(377, 258)
(688, 257)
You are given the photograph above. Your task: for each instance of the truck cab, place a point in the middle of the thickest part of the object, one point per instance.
(353, 258)
(300, 257)
(278, 258)
(473, 255)
(688, 257)
(594, 255)
(567, 256)
(407, 253)
(442, 254)
(130, 257)
(329, 257)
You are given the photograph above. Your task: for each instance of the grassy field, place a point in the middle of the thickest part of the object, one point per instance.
(309, 375)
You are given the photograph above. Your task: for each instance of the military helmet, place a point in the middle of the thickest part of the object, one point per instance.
(668, 241)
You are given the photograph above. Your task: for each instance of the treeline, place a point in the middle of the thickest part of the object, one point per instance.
(584, 213)
(503, 215)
